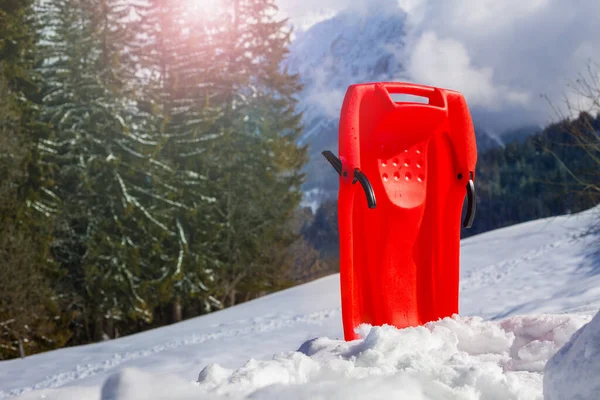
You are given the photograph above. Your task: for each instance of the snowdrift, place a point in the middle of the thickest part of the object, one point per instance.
(574, 372)
(458, 358)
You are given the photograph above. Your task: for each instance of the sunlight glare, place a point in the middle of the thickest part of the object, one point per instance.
(205, 8)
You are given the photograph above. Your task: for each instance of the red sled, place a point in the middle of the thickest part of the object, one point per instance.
(400, 228)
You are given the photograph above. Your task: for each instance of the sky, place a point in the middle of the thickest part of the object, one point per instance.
(503, 55)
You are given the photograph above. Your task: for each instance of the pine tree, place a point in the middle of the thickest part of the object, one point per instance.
(256, 162)
(30, 320)
(119, 239)
(176, 52)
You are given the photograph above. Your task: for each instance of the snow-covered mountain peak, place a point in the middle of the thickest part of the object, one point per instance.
(351, 41)
(365, 43)
(352, 47)
(362, 44)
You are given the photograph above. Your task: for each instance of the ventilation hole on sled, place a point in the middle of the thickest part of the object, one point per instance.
(395, 163)
(407, 176)
(396, 176)
(418, 165)
(385, 177)
(406, 163)
(419, 150)
(383, 164)
(420, 178)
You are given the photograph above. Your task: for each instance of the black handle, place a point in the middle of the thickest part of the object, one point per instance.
(336, 163)
(366, 185)
(333, 160)
(471, 204)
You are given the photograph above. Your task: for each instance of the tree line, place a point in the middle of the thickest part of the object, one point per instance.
(149, 166)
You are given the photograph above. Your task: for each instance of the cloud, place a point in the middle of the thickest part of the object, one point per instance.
(516, 50)
(502, 54)
(446, 63)
(472, 16)
(306, 13)
(329, 100)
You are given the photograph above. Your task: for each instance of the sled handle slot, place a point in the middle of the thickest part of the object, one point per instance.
(410, 89)
(359, 176)
(431, 93)
(471, 204)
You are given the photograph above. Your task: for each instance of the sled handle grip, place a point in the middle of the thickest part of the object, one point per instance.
(335, 162)
(471, 204)
(366, 185)
(359, 176)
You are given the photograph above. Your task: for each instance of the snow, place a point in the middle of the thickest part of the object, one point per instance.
(460, 358)
(549, 265)
(524, 291)
(573, 372)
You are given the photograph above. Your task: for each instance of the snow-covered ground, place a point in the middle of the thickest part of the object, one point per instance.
(573, 372)
(525, 290)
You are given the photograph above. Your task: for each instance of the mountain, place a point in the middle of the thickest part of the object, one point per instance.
(354, 46)
(525, 290)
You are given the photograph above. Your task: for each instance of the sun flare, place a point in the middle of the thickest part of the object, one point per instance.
(204, 7)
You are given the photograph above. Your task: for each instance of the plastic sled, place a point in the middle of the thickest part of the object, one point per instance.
(400, 227)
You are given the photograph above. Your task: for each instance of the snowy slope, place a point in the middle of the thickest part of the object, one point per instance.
(545, 266)
(572, 373)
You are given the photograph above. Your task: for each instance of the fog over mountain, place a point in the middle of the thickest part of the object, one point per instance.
(503, 56)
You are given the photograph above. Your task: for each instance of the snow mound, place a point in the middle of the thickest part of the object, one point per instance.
(574, 372)
(135, 384)
(454, 358)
